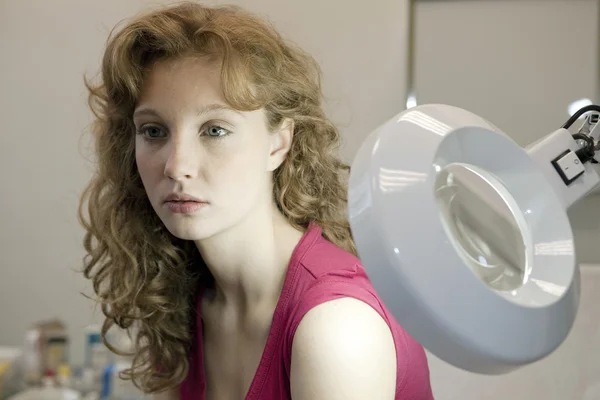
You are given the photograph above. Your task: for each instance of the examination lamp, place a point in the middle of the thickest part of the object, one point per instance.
(465, 234)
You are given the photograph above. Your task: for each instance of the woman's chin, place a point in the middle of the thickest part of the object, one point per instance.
(187, 232)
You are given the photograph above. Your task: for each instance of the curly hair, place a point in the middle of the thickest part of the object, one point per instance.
(142, 275)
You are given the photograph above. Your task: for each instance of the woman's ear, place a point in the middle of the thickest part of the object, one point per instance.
(281, 143)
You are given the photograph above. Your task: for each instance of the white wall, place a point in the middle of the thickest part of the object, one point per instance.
(47, 46)
(45, 49)
(517, 63)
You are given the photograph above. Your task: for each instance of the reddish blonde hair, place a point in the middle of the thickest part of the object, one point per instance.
(143, 275)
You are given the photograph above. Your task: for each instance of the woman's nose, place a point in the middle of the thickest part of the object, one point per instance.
(182, 160)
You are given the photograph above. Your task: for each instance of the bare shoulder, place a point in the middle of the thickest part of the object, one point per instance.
(343, 349)
(172, 394)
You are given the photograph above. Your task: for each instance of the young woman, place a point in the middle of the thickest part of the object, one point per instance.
(216, 222)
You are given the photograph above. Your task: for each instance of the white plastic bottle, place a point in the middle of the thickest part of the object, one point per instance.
(97, 358)
(115, 388)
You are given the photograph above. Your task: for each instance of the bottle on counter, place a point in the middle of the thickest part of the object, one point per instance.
(113, 387)
(63, 378)
(97, 358)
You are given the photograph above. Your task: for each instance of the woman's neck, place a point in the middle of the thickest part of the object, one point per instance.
(249, 262)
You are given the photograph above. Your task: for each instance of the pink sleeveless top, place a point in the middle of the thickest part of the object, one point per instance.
(318, 272)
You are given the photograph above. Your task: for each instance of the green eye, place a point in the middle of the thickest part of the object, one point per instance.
(152, 132)
(216, 131)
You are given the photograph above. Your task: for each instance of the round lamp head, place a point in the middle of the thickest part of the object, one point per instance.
(464, 239)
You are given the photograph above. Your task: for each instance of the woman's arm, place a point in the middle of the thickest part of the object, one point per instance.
(172, 394)
(343, 349)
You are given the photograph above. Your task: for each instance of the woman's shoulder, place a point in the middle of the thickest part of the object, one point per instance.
(326, 272)
(330, 274)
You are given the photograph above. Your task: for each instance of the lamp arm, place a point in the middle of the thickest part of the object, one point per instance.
(570, 160)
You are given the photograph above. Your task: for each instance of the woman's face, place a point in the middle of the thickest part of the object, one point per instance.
(204, 166)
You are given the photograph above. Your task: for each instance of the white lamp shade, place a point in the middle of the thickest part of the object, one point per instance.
(464, 238)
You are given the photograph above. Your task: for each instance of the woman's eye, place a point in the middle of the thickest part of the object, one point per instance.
(152, 132)
(216, 131)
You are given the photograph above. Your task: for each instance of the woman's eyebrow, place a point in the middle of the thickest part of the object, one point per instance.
(147, 111)
(217, 107)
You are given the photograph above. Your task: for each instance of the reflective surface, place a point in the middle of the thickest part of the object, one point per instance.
(480, 218)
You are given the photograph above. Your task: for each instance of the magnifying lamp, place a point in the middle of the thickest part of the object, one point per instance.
(465, 234)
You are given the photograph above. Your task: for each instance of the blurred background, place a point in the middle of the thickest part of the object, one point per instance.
(523, 65)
